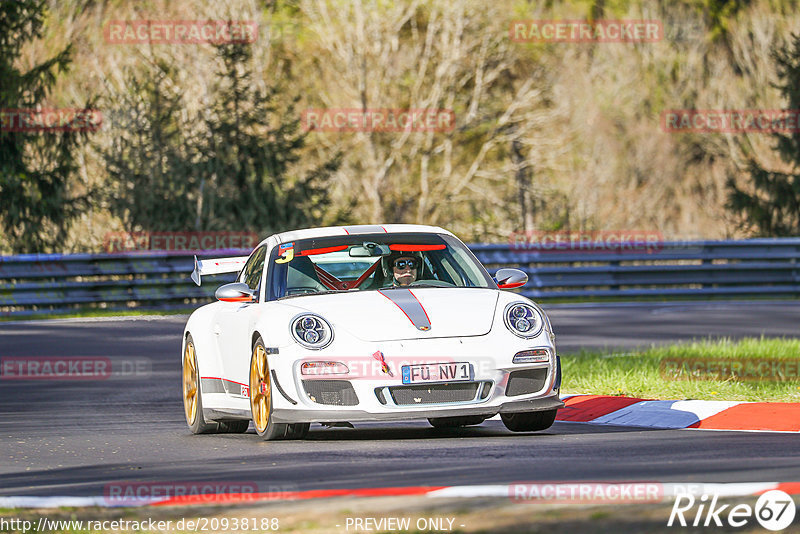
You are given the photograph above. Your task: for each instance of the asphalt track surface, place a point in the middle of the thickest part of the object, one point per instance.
(79, 438)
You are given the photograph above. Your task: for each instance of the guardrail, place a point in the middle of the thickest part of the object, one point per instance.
(62, 283)
(701, 269)
(56, 283)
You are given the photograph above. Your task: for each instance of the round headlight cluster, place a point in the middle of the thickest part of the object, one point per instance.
(312, 331)
(523, 320)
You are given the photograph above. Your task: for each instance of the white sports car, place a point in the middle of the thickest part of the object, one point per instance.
(366, 323)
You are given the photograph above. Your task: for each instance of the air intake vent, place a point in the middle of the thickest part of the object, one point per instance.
(526, 381)
(434, 393)
(332, 392)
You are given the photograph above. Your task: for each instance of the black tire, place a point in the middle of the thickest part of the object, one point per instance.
(235, 426)
(261, 398)
(192, 391)
(455, 422)
(529, 421)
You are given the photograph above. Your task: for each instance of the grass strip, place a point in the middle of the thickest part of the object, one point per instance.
(766, 371)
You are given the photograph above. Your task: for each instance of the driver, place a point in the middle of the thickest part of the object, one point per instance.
(404, 268)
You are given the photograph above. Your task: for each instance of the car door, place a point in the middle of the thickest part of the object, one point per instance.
(235, 322)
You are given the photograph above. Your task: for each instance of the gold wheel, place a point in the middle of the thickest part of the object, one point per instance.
(189, 383)
(260, 390)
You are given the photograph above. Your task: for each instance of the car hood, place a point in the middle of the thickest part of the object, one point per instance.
(395, 314)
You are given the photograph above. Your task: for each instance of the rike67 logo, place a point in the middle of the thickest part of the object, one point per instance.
(774, 510)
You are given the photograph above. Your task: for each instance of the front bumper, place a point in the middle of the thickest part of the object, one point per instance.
(315, 416)
(368, 394)
(500, 386)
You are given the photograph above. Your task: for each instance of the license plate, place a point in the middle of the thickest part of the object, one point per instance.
(437, 372)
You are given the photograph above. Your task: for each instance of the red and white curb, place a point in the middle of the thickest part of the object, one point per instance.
(671, 414)
(579, 492)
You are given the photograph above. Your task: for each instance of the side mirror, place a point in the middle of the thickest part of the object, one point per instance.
(510, 278)
(236, 292)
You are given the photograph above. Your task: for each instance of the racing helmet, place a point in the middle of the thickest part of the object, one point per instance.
(387, 264)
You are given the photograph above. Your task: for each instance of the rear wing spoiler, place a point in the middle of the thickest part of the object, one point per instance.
(217, 266)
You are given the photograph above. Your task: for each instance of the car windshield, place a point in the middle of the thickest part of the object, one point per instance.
(369, 262)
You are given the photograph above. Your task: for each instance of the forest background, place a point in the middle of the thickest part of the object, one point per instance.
(548, 136)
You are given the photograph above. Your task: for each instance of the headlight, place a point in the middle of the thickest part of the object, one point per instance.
(312, 331)
(523, 320)
(532, 356)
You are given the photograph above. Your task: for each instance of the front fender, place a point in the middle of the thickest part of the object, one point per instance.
(200, 325)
